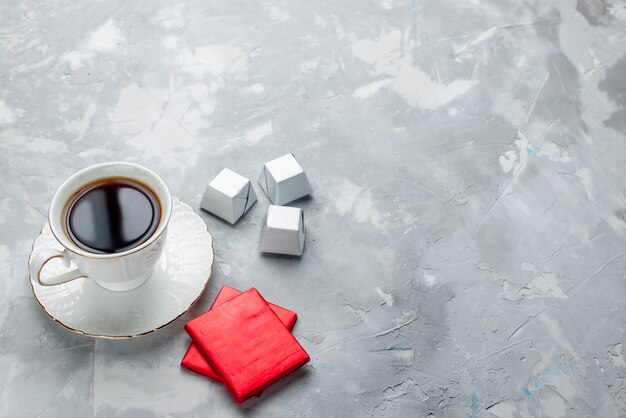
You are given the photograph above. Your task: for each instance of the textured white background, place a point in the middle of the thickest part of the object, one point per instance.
(465, 247)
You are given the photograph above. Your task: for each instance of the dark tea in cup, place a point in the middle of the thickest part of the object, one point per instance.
(112, 215)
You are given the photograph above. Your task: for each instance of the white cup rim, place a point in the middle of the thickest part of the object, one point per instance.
(165, 200)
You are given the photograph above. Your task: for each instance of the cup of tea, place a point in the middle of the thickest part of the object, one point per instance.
(111, 220)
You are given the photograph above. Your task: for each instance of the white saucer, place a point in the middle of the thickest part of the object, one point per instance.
(180, 277)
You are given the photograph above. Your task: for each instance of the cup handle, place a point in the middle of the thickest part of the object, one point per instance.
(42, 257)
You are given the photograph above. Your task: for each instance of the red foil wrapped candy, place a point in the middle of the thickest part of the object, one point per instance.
(246, 344)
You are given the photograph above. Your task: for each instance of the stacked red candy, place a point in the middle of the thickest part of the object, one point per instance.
(244, 342)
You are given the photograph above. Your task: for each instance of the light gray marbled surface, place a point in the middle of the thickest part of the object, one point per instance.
(465, 247)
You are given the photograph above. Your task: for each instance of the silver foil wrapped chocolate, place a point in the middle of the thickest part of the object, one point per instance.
(228, 196)
(284, 180)
(283, 231)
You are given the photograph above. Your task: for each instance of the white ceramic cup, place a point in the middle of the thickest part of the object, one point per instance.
(118, 271)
